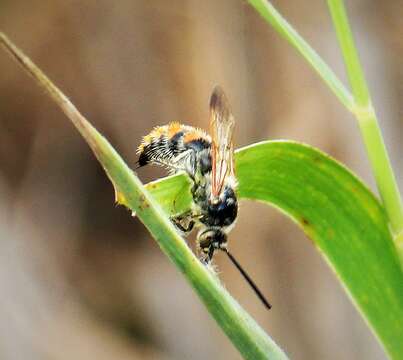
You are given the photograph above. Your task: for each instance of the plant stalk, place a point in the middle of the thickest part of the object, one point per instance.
(248, 337)
(368, 123)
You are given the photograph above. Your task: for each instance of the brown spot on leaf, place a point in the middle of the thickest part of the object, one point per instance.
(143, 202)
(317, 160)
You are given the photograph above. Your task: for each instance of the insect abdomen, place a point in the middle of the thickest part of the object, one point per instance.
(165, 143)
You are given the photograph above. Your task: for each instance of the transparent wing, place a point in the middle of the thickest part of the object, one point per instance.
(222, 150)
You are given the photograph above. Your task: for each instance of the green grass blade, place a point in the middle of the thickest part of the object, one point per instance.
(368, 122)
(346, 41)
(338, 213)
(251, 341)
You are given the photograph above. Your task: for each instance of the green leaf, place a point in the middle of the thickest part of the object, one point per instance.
(248, 337)
(172, 193)
(336, 211)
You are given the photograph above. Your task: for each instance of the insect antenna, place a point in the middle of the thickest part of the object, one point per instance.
(248, 279)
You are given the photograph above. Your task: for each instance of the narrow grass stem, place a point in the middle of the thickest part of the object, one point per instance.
(352, 62)
(249, 338)
(383, 173)
(280, 24)
(366, 116)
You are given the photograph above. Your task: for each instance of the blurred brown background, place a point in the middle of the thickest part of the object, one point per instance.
(80, 278)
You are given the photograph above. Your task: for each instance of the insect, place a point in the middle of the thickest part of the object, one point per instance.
(209, 162)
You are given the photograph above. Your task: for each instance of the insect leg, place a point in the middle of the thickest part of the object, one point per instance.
(184, 228)
(207, 259)
(183, 222)
(186, 161)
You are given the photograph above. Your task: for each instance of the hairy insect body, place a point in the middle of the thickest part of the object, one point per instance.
(176, 147)
(209, 162)
(185, 148)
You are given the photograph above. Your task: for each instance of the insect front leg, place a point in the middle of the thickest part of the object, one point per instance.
(209, 255)
(184, 222)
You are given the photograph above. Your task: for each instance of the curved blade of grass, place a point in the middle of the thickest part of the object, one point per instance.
(251, 341)
(337, 212)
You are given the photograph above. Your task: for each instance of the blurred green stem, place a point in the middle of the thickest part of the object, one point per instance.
(359, 103)
(367, 120)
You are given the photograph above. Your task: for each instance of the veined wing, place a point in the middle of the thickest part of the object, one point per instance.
(222, 150)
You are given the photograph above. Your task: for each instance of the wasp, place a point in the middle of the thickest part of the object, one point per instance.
(208, 160)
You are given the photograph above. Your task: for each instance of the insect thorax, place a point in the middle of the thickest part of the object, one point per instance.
(220, 212)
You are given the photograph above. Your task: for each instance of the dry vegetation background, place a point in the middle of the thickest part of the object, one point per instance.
(80, 278)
